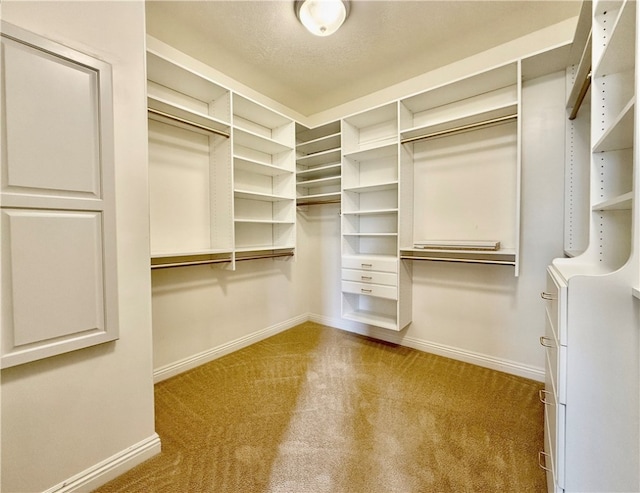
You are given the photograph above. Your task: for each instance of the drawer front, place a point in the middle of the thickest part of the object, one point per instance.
(550, 445)
(554, 433)
(377, 290)
(556, 356)
(370, 263)
(555, 295)
(368, 277)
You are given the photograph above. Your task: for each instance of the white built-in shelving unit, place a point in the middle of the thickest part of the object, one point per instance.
(376, 286)
(460, 143)
(318, 164)
(222, 174)
(592, 401)
(264, 178)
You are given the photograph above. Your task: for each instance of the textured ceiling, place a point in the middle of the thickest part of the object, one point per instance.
(262, 45)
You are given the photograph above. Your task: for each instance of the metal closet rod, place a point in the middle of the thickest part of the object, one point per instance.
(266, 255)
(462, 260)
(187, 122)
(461, 128)
(583, 92)
(319, 202)
(220, 260)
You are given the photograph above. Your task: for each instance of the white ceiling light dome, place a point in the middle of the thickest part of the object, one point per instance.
(322, 17)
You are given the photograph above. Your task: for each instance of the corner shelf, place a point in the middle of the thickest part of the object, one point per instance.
(318, 167)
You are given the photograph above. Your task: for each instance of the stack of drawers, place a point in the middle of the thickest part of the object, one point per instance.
(554, 396)
(370, 276)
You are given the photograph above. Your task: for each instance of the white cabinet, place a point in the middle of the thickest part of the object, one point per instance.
(370, 222)
(263, 177)
(318, 166)
(461, 153)
(593, 389)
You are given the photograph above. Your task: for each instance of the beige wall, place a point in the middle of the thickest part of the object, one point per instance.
(64, 415)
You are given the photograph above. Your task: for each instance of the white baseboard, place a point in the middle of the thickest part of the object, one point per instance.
(111, 468)
(506, 366)
(203, 357)
(399, 338)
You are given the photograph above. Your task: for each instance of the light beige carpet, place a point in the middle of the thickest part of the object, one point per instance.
(315, 410)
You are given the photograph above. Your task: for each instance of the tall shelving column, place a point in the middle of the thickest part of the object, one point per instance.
(373, 279)
(593, 408)
(578, 137)
(189, 165)
(318, 166)
(263, 180)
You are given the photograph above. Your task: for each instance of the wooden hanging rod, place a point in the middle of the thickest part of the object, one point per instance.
(461, 128)
(220, 260)
(187, 122)
(583, 92)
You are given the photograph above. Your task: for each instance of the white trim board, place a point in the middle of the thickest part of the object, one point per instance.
(180, 366)
(111, 468)
(479, 359)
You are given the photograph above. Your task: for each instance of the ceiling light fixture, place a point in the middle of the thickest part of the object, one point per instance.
(322, 17)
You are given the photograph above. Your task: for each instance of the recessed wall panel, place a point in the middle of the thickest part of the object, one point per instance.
(52, 123)
(55, 273)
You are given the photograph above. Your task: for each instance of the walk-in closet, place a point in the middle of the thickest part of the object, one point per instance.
(214, 206)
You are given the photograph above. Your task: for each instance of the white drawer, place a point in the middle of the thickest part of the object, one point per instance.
(368, 277)
(370, 263)
(389, 292)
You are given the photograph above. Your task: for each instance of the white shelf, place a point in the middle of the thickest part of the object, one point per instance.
(260, 221)
(258, 167)
(373, 212)
(263, 247)
(461, 90)
(193, 253)
(372, 188)
(254, 112)
(377, 150)
(320, 158)
(265, 197)
(329, 170)
(461, 122)
(622, 202)
(584, 67)
(371, 234)
(321, 144)
(617, 55)
(319, 197)
(320, 182)
(182, 79)
(372, 318)
(183, 113)
(252, 140)
(620, 134)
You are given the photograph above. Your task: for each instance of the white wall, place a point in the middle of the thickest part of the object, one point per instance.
(64, 416)
(203, 312)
